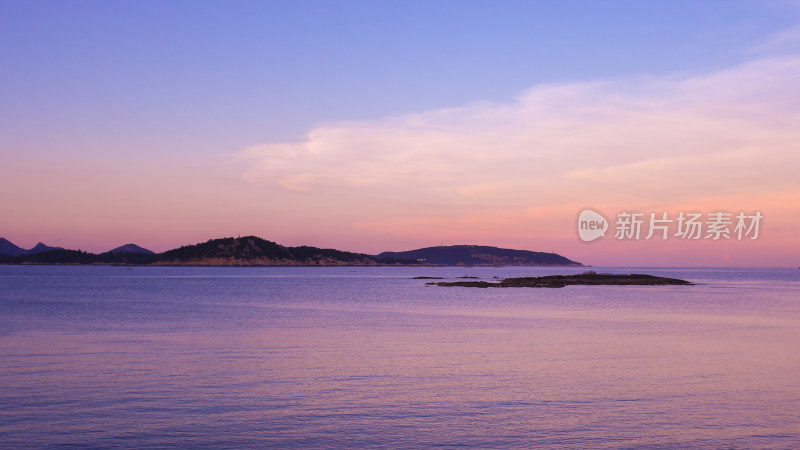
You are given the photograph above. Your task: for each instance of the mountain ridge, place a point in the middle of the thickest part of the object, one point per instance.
(9, 248)
(256, 251)
(241, 251)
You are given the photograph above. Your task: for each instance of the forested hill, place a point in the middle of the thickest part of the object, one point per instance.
(242, 251)
(479, 255)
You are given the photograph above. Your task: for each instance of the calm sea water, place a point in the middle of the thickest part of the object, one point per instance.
(369, 357)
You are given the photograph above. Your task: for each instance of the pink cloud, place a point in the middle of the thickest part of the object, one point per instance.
(519, 172)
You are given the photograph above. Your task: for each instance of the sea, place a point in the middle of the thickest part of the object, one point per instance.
(371, 357)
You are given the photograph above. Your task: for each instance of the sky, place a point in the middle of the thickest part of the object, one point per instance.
(385, 126)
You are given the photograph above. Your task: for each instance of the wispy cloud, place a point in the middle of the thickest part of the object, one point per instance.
(787, 40)
(640, 142)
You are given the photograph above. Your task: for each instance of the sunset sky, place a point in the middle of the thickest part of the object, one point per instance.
(385, 125)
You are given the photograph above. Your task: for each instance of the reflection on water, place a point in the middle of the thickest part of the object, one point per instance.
(331, 357)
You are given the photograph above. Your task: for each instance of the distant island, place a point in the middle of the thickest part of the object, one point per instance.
(556, 281)
(480, 255)
(255, 251)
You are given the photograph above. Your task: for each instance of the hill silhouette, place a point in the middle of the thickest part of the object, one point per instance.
(130, 248)
(480, 255)
(256, 251)
(9, 248)
(242, 251)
